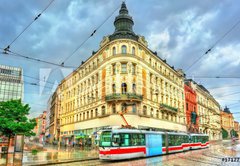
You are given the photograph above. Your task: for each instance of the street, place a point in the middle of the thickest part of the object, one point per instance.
(214, 155)
(219, 153)
(211, 156)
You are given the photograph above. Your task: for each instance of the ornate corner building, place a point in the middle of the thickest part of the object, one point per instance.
(123, 72)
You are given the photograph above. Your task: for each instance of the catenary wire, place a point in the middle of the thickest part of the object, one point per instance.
(8, 47)
(214, 44)
(9, 52)
(204, 77)
(37, 79)
(35, 84)
(89, 37)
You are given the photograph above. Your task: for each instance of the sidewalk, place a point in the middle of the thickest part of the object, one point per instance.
(54, 155)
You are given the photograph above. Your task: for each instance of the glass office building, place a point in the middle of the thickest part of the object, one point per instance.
(11, 83)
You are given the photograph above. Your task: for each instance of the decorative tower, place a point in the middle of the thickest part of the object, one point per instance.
(123, 25)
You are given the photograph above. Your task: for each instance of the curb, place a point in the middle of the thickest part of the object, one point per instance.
(60, 162)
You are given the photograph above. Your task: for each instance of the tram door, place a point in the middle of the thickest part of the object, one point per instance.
(153, 144)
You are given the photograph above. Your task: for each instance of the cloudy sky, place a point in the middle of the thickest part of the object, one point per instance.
(180, 31)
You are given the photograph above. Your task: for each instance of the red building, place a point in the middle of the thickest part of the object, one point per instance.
(191, 107)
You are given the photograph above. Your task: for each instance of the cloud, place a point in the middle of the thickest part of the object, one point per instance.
(180, 31)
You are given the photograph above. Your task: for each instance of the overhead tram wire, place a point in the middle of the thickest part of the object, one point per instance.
(223, 77)
(229, 94)
(210, 49)
(9, 52)
(221, 87)
(62, 63)
(8, 47)
(35, 84)
(38, 79)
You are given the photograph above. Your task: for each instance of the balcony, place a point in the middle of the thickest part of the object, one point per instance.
(125, 96)
(168, 108)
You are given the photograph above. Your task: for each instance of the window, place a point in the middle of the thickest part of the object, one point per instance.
(134, 88)
(133, 50)
(124, 49)
(91, 113)
(105, 139)
(114, 69)
(124, 68)
(151, 112)
(114, 51)
(134, 108)
(163, 140)
(124, 88)
(113, 88)
(186, 106)
(125, 140)
(133, 69)
(96, 112)
(114, 108)
(144, 110)
(157, 114)
(103, 110)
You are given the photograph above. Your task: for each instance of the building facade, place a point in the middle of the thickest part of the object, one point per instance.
(11, 83)
(53, 118)
(123, 75)
(208, 112)
(191, 107)
(227, 121)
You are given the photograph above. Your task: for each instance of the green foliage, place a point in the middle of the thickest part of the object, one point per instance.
(13, 119)
(234, 133)
(224, 133)
(34, 151)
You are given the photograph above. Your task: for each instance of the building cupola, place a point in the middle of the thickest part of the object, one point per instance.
(123, 25)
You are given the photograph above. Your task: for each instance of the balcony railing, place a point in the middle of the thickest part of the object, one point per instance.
(125, 96)
(168, 108)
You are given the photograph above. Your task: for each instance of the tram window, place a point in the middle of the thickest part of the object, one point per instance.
(163, 140)
(135, 139)
(171, 140)
(105, 139)
(116, 140)
(125, 140)
(142, 139)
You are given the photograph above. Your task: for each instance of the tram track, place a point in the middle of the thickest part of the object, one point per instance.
(199, 161)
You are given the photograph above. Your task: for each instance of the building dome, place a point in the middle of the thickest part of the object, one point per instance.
(123, 25)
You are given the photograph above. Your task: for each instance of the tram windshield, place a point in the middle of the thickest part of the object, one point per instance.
(105, 139)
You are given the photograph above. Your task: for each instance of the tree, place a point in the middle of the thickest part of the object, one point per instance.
(224, 133)
(13, 119)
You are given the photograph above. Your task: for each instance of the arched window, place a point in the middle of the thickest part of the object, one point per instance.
(113, 88)
(133, 50)
(144, 110)
(114, 69)
(103, 110)
(114, 108)
(157, 114)
(77, 118)
(134, 108)
(124, 88)
(88, 115)
(124, 49)
(151, 112)
(114, 50)
(134, 88)
(91, 114)
(96, 112)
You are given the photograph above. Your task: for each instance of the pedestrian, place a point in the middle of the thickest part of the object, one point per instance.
(73, 143)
